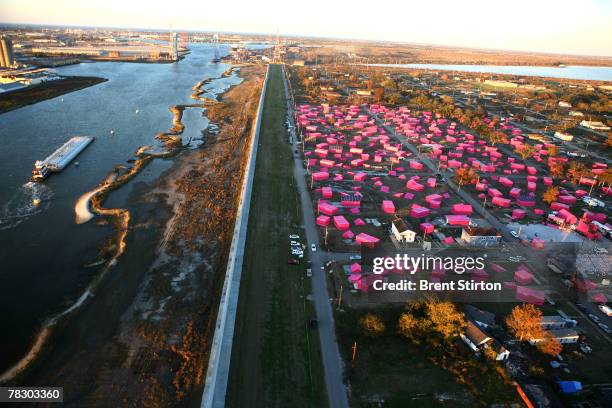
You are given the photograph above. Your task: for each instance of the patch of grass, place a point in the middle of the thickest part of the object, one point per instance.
(276, 360)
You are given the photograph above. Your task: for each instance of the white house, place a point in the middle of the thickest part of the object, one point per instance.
(564, 104)
(594, 125)
(554, 322)
(401, 231)
(477, 340)
(564, 336)
(566, 137)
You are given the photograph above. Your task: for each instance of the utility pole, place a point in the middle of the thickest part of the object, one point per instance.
(592, 185)
(326, 236)
(354, 352)
(340, 297)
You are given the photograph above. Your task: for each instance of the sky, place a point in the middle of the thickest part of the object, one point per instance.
(556, 26)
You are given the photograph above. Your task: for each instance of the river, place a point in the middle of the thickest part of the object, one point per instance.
(48, 260)
(569, 72)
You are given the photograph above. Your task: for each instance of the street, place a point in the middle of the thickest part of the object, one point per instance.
(332, 361)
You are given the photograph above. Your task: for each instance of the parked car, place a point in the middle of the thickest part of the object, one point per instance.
(294, 243)
(355, 257)
(594, 318)
(309, 272)
(605, 309)
(514, 234)
(293, 236)
(581, 307)
(313, 248)
(313, 323)
(604, 327)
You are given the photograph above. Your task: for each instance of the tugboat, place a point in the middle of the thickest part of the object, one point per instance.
(60, 158)
(40, 172)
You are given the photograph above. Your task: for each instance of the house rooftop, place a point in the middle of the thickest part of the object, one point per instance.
(475, 335)
(478, 315)
(481, 232)
(400, 225)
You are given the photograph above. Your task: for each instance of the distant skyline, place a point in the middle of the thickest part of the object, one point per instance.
(552, 26)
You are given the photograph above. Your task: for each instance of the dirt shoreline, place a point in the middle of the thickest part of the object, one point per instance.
(37, 93)
(153, 350)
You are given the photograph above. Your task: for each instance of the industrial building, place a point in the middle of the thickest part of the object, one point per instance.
(7, 57)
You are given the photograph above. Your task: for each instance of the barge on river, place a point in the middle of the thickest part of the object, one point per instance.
(60, 158)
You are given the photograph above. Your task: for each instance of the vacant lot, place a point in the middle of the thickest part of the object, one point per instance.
(276, 360)
(394, 372)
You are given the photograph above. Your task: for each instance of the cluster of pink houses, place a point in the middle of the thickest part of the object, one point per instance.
(347, 153)
(505, 181)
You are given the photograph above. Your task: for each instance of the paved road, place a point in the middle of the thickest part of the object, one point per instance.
(332, 362)
(570, 144)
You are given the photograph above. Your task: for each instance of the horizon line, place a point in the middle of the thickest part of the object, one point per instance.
(289, 35)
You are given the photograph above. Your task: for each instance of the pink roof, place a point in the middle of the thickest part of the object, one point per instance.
(319, 176)
(413, 185)
(529, 295)
(354, 277)
(457, 219)
(497, 268)
(500, 201)
(323, 220)
(367, 240)
(418, 211)
(348, 234)
(426, 227)
(327, 209)
(567, 216)
(523, 277)
(341, 223)
(462, 209)
(388, 206)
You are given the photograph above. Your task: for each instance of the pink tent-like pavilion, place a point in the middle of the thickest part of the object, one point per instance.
(341, 223)
(533, 296)
(366, 240)
(323, 220)
(599, 298)
(523, 277)
(327, 208)
(388, 207)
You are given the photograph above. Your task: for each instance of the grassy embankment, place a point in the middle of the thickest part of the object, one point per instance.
(276, 359)
(44, 91)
